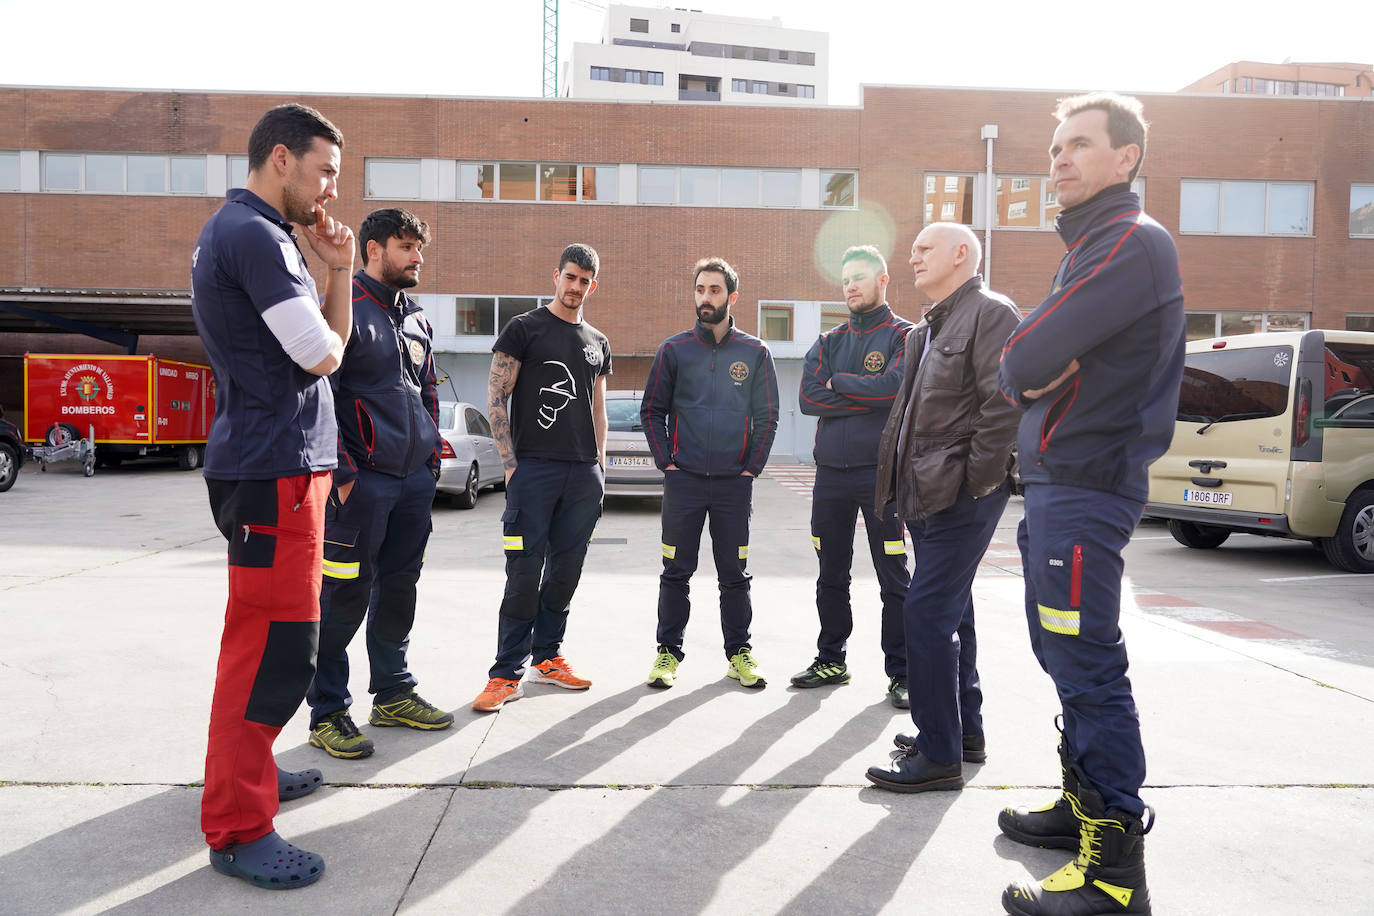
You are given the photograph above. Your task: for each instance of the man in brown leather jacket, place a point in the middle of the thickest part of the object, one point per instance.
(944, 457)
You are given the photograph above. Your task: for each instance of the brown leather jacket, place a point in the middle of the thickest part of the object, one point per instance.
(960, 430)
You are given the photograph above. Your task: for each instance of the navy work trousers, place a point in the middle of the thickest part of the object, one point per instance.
(1071, 540)
(551, 513)
(836, 499)
(688, 499)
(941, 643)
(374, 545)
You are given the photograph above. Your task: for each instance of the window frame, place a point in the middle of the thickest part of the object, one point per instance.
(1220, 213)
(772, 305)
(1351, 211)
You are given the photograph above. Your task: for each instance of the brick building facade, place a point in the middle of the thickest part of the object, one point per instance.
(779, 192)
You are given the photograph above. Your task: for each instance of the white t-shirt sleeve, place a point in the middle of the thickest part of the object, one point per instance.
(301, 330)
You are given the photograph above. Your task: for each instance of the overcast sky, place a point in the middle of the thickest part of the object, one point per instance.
(495, 47)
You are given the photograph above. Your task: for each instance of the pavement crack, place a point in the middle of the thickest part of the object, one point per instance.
(38, 580)
(424, 851)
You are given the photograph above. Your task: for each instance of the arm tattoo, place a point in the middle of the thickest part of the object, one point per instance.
(504, 370)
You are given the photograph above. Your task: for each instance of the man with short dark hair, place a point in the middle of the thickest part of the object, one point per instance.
(849, 378)
(387, 410)
(710, 413)
(944, 457)
(271, 340)
(1097, 366)
(552, 367)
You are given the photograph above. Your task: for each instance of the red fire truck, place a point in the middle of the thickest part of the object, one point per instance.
(137, 405)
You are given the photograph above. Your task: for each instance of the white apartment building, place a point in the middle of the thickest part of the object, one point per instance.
(664, 53)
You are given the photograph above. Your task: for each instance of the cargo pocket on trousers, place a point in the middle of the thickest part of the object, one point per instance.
(340, 551)
(511, 539)
(274, 569)
(1059, 587)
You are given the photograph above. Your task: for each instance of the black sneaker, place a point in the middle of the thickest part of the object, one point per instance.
(411, 710)
(820, 673)
(896, 693)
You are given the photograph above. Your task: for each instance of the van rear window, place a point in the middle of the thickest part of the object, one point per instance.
(1242, 384)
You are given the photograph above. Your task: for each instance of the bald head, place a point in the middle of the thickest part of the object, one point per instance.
(944, 257)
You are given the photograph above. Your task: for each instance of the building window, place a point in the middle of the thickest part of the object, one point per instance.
(1016, 212)
(775, 321)
(675, 27)
(486, 316)
(1020, 202)
(639, 25)
(558, 181)
(699, 187)
(634, 76)
(954, 199)
(1361, 210)
(806, 58)
(238, 171)
(476, 181)
(654, 77)
(9, 171)
(805, 92)
(837, 188)
(739, 187)
(1020, 184)
(147, 174)
(392, 179)
(601, 73)
(1359, 322)
(739, 85)
(657, 185)
(760, 87)
(781, 189)
(600, 183)
(833, 314)
(1201, 325)
(1245, 207)
(188, 174)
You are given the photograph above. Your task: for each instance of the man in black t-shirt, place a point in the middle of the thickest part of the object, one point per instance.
(552, 366)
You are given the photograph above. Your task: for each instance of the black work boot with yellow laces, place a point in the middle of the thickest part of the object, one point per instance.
(1052, 826)
(1108, 877)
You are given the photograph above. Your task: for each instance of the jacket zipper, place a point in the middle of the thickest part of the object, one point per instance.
(1046, 434)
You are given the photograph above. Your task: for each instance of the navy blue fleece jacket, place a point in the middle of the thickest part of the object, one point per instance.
(1117, 308)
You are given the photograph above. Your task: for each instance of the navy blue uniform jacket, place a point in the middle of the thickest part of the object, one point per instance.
(862, 360)
(385, 391)
(711, 408)
(1117, 308)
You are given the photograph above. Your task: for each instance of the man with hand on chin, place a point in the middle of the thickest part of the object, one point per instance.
(710, 413)
(272, 341)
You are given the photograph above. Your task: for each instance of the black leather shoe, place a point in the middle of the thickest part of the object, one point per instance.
(975, 746)
(913, 772)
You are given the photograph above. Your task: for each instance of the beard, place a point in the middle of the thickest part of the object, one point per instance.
(399, 277)
(709, 314)
(296, 207)
(862, 308)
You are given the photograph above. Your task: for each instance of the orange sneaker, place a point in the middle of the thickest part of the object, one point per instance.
(555, 671)
(498, 691)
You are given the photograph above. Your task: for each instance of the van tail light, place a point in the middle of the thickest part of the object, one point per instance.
(447, 450)
(1302, 414)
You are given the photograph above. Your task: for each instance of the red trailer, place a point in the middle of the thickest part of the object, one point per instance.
(137, 405)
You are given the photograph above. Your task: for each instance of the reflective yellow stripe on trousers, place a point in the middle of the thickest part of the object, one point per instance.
(1057, 621)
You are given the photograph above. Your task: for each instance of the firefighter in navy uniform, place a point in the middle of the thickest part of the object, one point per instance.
(850, 376)
(710, 413)
(387, 409)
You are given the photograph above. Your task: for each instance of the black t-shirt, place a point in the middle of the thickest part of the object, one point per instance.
(551, 406)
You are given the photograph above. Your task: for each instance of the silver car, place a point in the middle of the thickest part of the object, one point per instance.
(630, 469)
(469, 460)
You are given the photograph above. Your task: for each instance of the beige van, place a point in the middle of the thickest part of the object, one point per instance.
(1274, 436)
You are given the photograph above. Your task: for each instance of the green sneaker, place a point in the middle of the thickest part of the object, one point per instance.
(339, 737)
(896, 693)
(412, 711)
(820, 673)
(664, 671)
(744, 669)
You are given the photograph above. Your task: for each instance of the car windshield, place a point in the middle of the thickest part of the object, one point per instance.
(1241, 384)
(622, 414)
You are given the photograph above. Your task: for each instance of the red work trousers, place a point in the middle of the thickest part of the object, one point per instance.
(267, 653)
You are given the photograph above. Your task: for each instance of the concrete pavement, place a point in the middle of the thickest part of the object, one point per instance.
(704, 798)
